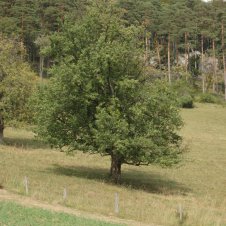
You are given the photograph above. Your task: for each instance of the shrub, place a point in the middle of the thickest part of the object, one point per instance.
(186, 101)
(184, 91)
(210, 98)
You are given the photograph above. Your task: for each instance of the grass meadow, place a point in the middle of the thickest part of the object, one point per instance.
(147, 194)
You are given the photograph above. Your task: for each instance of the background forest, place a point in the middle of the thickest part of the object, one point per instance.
(181, 39)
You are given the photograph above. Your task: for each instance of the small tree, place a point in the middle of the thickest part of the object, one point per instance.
(98, 99)
(16, 84)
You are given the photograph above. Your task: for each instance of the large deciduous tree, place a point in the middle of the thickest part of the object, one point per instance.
(98, 99)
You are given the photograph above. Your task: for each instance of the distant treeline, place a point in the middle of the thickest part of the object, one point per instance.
(187, 34)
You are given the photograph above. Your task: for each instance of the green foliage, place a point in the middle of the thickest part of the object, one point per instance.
(27, 20)
(185, 93)
(17, 83)
(186, 101)
(207, 98)
(16, 91)
(146, 135)
(97, 100)
(210, 98)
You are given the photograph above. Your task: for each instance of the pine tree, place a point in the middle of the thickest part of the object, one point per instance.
(169, 30)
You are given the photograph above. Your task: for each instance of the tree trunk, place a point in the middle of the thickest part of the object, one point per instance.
(169, 66)
(214, 66)
(177, 54)
(41, 65)
(22, 38)
(174, 52)
(202, 65)
(1, 129)
(223, 58)
(186, 51)
(115, 171)
(146, 50)
(158, 50)
(224, 76)
(195, 60)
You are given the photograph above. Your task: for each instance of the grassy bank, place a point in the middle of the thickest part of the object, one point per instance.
(12, 214)
(148, 194)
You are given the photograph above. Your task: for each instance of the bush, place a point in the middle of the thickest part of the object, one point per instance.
(210, 98)
(186, 101)
(184, 91)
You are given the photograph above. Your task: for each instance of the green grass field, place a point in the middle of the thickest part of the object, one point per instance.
(147, 194)
(12, 214)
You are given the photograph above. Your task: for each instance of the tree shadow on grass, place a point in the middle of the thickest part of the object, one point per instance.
(132, 179)
(25, 143)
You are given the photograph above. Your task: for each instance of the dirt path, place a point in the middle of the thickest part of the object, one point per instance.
(28, 202)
